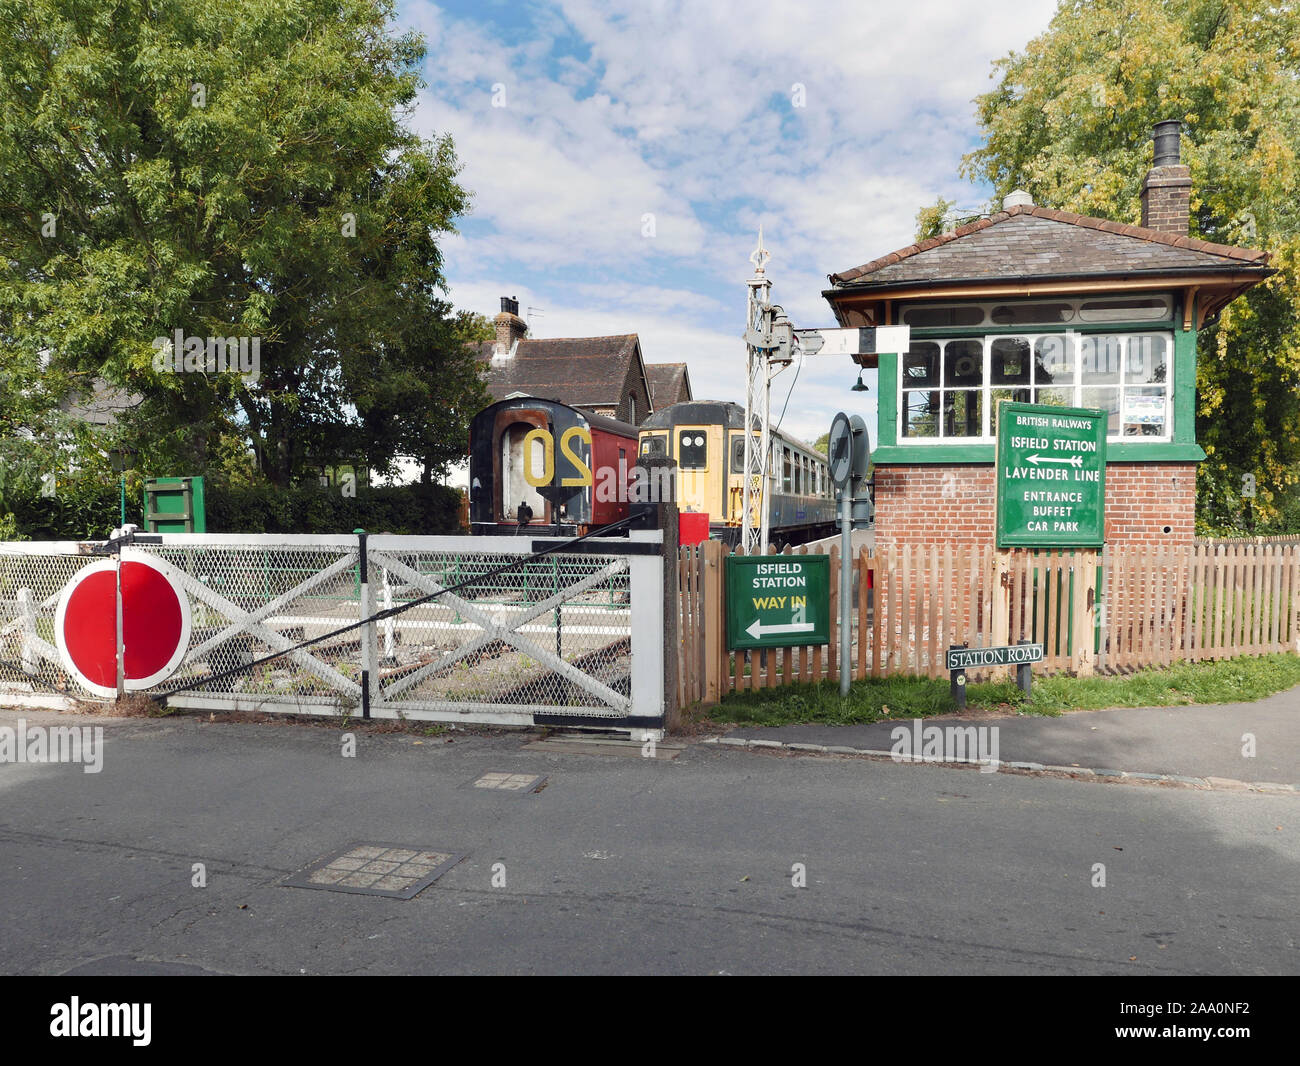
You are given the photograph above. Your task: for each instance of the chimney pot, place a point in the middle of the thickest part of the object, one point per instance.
(1168, 141)
(1017, 198)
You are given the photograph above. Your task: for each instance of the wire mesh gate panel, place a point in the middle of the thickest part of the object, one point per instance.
(32, 578)
(578, 634)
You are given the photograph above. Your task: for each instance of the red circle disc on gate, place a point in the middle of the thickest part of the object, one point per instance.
(155, 625)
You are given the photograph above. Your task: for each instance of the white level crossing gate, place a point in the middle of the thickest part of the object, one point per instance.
(469, 629)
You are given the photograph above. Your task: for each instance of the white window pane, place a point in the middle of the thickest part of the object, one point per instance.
(1146, 362)
(1009, 358)
(1100, 358)
(1055, 360)
(921, 365)
(1139, 309)
(963, 413)
(1054, 397)
(1106, 400)
(998, 395)
(920, 414)
(1032, 314)
(963, 364)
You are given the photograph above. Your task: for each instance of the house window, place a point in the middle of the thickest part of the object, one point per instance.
(951, 388)
(631, 409)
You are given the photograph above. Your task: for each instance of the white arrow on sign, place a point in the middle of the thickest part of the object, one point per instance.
(1076, 460)
(757, 629)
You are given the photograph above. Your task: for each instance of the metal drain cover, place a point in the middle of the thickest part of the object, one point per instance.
(503, 781)
(398, 871)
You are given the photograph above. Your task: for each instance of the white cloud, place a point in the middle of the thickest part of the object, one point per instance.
(683, 110)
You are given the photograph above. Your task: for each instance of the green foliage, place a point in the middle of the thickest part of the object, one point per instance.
(229, 170)
(874, 699)
(406, 509)
(930, 220)
(1228, 681)
(1070, 121)
(87, 508)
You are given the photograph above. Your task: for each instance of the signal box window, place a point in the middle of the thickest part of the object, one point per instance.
(692, 450)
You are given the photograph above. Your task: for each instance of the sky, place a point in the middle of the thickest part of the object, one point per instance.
(622, 156)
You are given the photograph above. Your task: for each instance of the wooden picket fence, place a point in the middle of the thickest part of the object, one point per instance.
(1137, 606)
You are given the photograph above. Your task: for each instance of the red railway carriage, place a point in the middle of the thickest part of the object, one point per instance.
(541, 463)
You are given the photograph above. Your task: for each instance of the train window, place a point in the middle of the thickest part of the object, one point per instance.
(738, 454)
(653, 445)
(787, 478)
(692, 450)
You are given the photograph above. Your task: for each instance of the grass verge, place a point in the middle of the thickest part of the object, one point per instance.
(884, 699)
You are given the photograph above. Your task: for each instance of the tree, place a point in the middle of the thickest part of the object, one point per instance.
(1070, 121)
(235, 170)
(418, 400)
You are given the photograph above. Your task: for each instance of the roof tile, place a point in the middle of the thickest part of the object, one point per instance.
(1027, 241)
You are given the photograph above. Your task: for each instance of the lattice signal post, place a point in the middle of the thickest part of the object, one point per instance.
(769, 340)
(771, 343)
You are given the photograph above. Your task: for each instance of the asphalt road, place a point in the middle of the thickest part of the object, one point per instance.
(623, 864)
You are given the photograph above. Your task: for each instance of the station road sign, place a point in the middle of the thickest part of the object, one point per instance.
(1051, 476)
(778, 601)
(1008, 655)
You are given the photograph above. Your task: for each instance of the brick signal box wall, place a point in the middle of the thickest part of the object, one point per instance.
(954, 503)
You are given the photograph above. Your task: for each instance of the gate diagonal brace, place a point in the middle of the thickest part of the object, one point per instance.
(306, 660)
(493, 631)
(32, 641)
(344, 562)
(18, 623)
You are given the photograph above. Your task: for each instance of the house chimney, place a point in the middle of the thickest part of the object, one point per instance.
(1017, 198)
(1167, 188)
(510, 329)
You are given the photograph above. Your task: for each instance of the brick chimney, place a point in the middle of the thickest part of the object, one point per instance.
(511, 329)
(1167, 188)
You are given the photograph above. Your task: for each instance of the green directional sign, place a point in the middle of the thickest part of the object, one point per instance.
(1051, 476)
(776, 601)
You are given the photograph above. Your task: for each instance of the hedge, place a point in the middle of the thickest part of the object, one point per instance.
(89, 510)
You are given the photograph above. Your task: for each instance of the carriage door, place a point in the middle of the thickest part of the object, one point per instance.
(519, 458)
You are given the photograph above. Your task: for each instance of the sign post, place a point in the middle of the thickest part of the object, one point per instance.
(1051, 493)
(848, 449)
(961, 658)
(778, 601)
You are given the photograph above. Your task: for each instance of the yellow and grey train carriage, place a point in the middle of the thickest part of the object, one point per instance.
(707, 440)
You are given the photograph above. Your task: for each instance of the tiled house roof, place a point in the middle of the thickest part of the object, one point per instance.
(598, 374)
(669, 384)
(580, 371)
(1039, 243)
